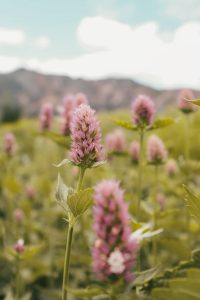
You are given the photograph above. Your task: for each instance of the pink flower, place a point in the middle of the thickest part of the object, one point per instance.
(30, 192)
(46, 116)
(86, 148)
(113, 252)
(135, 151)
(19, 246)
(9, 143)
(184, 105)
(68, 107)
(156, 151)
(18, 215)
(143, 111)
(80, 98)
(161, 199)
(115, 141)
(171, 167)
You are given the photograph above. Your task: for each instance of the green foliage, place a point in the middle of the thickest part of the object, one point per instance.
(193, 203)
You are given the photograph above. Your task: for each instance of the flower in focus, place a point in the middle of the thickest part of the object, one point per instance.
(113, 252)
(171, 167)
(143, 111)
(184, 105)
(156, 151)
(86, 148)
(115, 141)
(135, 151)
(9, 143)
(46, 116)
(18, 215)
(19, 246)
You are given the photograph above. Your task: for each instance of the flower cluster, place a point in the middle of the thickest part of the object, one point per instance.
(143, 111)
(86, 148)
(156, 151)
(184, 105)
(171, 167)
(115, 141)
(19, 246)
(46, 116)
(18, 215)
(113, 252)
(135, 152)
(70, 103)
(9, 143)
(30, 192)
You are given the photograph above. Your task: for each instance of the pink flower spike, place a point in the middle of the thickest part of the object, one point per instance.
(135, 151)
(80, 98)
(143, 111)
(183, 104)
(115, 141)
(111, 224)
(30, 192)
(156, 151)
(46, 116)
(19, 246)
(86, 148)
(18, 215)
(9, 144)
(171, 167)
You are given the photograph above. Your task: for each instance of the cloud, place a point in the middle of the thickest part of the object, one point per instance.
(11, 36)
(142, 53)
(41, 42)
(184, 10)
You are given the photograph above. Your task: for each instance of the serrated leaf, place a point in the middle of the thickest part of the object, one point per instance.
(193, 203)
(145, 276)
(62, 193)
(79, 202)
(86, 293)
(125, 124)
(162, 122)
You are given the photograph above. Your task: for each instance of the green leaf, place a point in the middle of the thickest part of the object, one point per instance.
(62, 163)
(31, 251)
(195, 101)
(79, 202)
(145, 276)
(125, 124)
(193, 203)
(98, 164)
(87, 292)
(62, 192)
(161, 123)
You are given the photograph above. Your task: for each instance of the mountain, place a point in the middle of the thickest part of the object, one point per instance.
(30, 89)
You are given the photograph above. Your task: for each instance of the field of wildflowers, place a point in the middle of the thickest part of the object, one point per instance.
(101, 206)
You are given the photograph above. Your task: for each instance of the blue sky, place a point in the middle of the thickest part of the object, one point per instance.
(49, 31)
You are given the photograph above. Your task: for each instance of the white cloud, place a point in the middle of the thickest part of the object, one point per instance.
(142, 53)
(41, 42)
(182, 9)
(11, 36)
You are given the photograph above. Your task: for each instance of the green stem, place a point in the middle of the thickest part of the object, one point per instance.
(155, 217)
(18, 281)
(140, 169)
(69, 243)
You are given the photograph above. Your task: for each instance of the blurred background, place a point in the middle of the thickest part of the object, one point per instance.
(109, 50)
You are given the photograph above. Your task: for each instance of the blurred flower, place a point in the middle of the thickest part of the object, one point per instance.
(18, 215)
(19, 246)
(184, 105)
(66, 115)
(171, 167)
(46, 116)
(143, 111)
(86, 137)
(80, 98)
(113, 252)
(9, 143)
(135, 151)
(156, 151)
(30, 192)
(161, 200)
(115, 141)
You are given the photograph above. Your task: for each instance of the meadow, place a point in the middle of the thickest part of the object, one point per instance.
(134, 216)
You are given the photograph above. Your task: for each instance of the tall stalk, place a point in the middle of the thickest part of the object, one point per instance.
(140, 170)
(155, 214)
(18, 279)
(69, 243)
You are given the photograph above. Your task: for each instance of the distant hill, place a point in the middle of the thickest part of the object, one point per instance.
(30, 89)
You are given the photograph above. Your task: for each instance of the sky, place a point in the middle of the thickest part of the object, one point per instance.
(155, 42)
